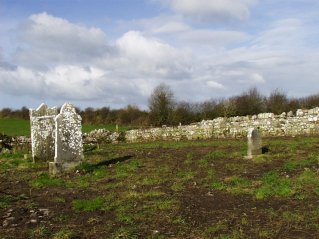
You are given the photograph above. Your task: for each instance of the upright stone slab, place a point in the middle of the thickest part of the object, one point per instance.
(43, 132)
(68, 140)
(254, 143)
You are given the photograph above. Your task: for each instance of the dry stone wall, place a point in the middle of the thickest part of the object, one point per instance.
(304, 122)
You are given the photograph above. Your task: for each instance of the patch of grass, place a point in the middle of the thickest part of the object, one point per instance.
(45, 180)
(16, 155)
(274, 185)
(14, 161)
(293, 217)
(213, 181)
(154, 179)
(210, 157)
(124, 233)
(189, 158)
(89, 205)
(7, 200)
(122, 213)
(125, 169)
(58, 200)
(141, 195)
(64, 234)
(308, 183)
(163, 204)
(185, 175)
(216, 228)
(238, 184)
(79, 182)
(300, 163)
(177, 186)
(39, 232)
(15, 127)
(263, 158)
(158, 206)
(179, 220)
(219, 185)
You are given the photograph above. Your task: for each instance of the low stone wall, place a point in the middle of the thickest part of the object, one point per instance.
(304, 122)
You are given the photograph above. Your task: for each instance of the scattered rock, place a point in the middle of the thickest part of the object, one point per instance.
(33, 221)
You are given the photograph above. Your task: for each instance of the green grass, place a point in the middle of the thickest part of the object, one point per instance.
(159, 193)
(293, 164)
(308, 183)
(14, 161)
(39, 232)
(124, 233)
(64, 234)
(45, 180)
(273, 185)
(15, 127)
(6, 201)
(89, 205)
(19, 127)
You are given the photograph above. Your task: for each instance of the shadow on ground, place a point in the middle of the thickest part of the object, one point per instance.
(92, 167)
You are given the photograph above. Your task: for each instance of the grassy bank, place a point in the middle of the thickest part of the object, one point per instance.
(15, 127)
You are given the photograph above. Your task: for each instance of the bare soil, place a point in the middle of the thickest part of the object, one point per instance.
(184, 204)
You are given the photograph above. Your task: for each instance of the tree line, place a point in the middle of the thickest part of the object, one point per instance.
(164, 109)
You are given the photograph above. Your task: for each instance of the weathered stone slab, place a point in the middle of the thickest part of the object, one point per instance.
(68, 140)
(42, 132)
(254, 142)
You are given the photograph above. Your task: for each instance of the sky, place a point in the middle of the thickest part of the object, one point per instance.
(96, 53)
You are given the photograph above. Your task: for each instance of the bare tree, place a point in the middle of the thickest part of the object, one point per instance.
(161, 105)
(250, 102)
(277, 102)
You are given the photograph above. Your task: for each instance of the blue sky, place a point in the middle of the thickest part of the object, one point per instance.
(114, 52)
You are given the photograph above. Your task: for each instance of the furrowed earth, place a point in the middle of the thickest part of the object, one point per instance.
(187, 189)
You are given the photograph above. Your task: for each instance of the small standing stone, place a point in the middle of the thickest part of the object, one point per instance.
(254, 143)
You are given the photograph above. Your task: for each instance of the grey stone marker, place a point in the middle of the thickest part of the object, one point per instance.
(68, 140)
(254, 143)
(43, 132)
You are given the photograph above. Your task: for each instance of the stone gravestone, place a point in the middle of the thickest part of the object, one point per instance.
(68, 140)
(254, 143)
(43, 132)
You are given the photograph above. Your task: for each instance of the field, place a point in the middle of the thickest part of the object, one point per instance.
(202, 189)
(18, 127)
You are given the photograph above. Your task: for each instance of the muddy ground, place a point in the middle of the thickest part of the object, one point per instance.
(204, 189)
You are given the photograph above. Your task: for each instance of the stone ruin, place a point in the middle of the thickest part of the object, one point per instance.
(304, 122)
(56, 137)
(254, 142)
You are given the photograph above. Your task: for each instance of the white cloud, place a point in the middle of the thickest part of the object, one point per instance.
(283, 34)
(212, 37)
(211, 9)
(62, 60)
(50, 39)
(57, 59)
(153, 57)
(214, 84)
(253, 79)
(171, 27)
